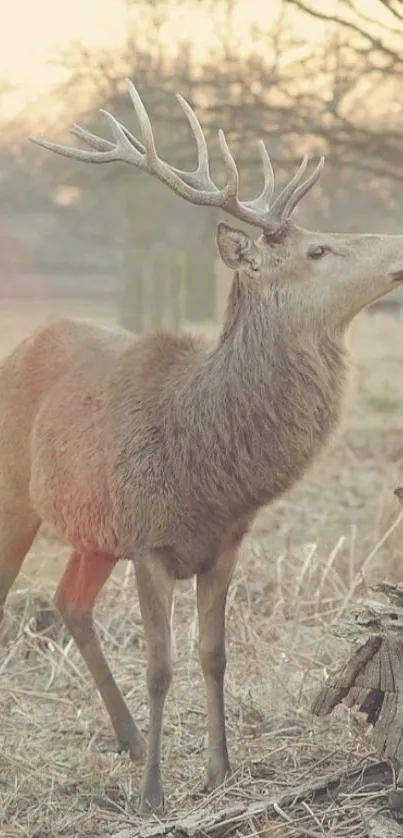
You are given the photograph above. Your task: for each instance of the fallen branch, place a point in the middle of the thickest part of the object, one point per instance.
(370, 778)
(382, 827)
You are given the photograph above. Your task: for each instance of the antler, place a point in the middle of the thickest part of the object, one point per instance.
(197, 186)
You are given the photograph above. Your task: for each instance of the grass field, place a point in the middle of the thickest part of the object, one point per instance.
(309, 557)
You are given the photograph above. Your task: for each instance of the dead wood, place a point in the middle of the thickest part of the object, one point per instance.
(372, 679)
(368, 779)
(383, 827)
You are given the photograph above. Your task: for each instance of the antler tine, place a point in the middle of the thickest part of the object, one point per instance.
(124, 149)
(78, 153)
(144, 122)
(98, 143)
(277, 208)
(230, 191)
(303, 188)
(134, 141)
(268, 188)
(262, 202)
(202, 174)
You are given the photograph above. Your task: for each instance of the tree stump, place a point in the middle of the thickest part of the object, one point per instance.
(372, 679)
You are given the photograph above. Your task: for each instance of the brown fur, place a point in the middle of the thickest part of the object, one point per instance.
(194, 438)
(163, 449)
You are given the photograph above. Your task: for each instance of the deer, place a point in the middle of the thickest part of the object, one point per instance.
(162, 448)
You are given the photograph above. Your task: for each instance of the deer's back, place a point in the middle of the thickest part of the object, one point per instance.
(44, 383)
(78, 400)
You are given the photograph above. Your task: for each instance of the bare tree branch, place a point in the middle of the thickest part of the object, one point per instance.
(377, 44)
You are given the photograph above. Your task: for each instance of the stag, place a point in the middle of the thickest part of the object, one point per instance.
(162, 449)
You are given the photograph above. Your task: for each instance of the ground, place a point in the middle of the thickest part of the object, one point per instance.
(310, 556)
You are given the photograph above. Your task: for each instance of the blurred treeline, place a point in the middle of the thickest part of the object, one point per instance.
(316, 78)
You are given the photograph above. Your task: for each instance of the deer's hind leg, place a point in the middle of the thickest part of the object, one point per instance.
(19, 525)
(82, 581)
(155, 585)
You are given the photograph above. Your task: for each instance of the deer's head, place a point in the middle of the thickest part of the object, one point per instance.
(325, 277)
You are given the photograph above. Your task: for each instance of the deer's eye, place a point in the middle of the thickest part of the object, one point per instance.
(318, 251)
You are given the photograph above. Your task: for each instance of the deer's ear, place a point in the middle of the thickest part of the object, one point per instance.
(237, 250)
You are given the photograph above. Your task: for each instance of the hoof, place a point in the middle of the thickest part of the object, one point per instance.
(217, 775)
(151, 796)
(135, 747)
(151, 807)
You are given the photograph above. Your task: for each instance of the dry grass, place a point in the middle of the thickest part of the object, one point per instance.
(309, 556)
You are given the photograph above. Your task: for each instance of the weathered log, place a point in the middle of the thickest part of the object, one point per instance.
(229, 819)
(372, 680)
(382, 827)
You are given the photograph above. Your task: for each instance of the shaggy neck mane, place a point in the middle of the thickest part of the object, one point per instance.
(263, 403)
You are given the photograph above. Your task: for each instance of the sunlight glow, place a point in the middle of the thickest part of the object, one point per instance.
(34, 32)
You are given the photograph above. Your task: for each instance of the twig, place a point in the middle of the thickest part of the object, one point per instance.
(214, 824)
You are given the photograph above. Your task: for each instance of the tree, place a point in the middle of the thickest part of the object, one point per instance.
(157, 235)
(358, 118)
(335, 96)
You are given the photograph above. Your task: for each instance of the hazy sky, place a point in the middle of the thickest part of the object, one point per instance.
(33, 31)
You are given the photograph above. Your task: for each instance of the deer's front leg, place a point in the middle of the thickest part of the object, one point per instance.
(212, 588)
(155, 588)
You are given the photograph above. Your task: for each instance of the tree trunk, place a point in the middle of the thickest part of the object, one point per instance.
(152, 289)
(167, 263)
